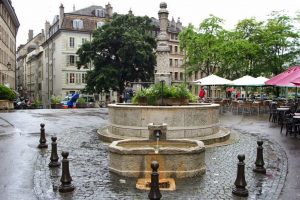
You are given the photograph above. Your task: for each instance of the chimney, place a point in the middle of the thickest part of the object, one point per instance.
(43, 35)
(109, 10)
(61, 14)
(73, 7)
(179, 24)
(173, 24)
(30, 35)
(47, 27)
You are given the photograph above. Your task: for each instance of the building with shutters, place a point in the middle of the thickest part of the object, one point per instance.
(63, 37)
(9, 25)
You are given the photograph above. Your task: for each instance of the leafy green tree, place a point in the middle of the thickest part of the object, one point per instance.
(122, 50)
(241, 50)
(202, 45)
(280, 42)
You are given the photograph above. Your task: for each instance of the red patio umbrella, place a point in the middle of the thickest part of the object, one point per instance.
(284, 79)
(296, 81)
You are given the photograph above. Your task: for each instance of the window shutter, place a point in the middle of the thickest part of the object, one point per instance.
(68, 60)
(67, 76)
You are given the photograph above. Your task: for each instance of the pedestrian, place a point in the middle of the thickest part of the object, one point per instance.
(201, 93)
(238, 94)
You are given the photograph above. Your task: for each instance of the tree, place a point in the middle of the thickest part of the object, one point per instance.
(121, 50)
(280, 42)
(241, 51)
(202, 45)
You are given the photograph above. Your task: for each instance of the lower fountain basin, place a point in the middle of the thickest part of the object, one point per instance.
(177, 158)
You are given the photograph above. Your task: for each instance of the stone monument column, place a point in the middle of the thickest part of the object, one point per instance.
(163, 50)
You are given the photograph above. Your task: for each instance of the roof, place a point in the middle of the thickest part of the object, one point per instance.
(87, 11)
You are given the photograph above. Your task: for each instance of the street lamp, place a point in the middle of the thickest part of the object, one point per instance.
(9, 68)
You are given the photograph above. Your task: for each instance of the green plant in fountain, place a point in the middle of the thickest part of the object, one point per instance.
(156, 91)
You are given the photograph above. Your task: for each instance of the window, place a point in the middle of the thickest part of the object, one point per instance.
(171, 63)
(99, 13)
(72, 78)
(77, 24)
(72, 60)
(181, 76)
(72, 42)
(172, 36)
(176, 62)
(100, 24)
(180, 62)
(84, 40)
(176, 49)
(171, 48)
(83, 78)
(176, 75)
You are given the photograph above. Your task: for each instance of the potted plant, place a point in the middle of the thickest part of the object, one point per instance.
(36, 104)
(55, 102)
(81, 103)
(6, 97)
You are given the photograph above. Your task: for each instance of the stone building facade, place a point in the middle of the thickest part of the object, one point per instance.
(29, 74)
(63, 38)
(9, 25)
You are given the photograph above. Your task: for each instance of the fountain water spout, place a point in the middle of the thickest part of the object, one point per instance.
(157, 134)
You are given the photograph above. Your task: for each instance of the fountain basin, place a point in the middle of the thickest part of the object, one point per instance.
(177, 158)
(189, 122)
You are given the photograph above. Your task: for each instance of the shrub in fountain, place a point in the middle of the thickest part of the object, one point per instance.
(171, 95)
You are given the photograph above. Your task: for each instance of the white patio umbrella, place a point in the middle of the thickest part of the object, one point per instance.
(245, 81)
(213, 80)
(260, 81)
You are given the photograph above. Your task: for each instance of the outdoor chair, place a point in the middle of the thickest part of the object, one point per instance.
(287, 120)
(235, 106)
(257, 106)
(247, 107)
(273, 115)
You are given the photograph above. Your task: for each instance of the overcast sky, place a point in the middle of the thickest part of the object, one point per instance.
(32, 14)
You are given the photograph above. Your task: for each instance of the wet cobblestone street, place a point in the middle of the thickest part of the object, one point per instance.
(76, 133)
(89, 170)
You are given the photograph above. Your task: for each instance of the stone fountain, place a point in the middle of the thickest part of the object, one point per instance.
(194, 121)
(139, 134)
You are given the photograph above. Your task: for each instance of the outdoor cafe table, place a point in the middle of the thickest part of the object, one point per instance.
(281, 112)
(296, 125)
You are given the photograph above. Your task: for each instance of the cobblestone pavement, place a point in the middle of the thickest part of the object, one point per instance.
(89, 170)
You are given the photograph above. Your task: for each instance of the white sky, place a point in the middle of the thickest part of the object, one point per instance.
(32, 14)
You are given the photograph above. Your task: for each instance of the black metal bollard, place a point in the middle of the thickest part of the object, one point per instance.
(43, 140)
(154, 193)
(240, 181)
(66, 185)
(259, 163)
(54, 157)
